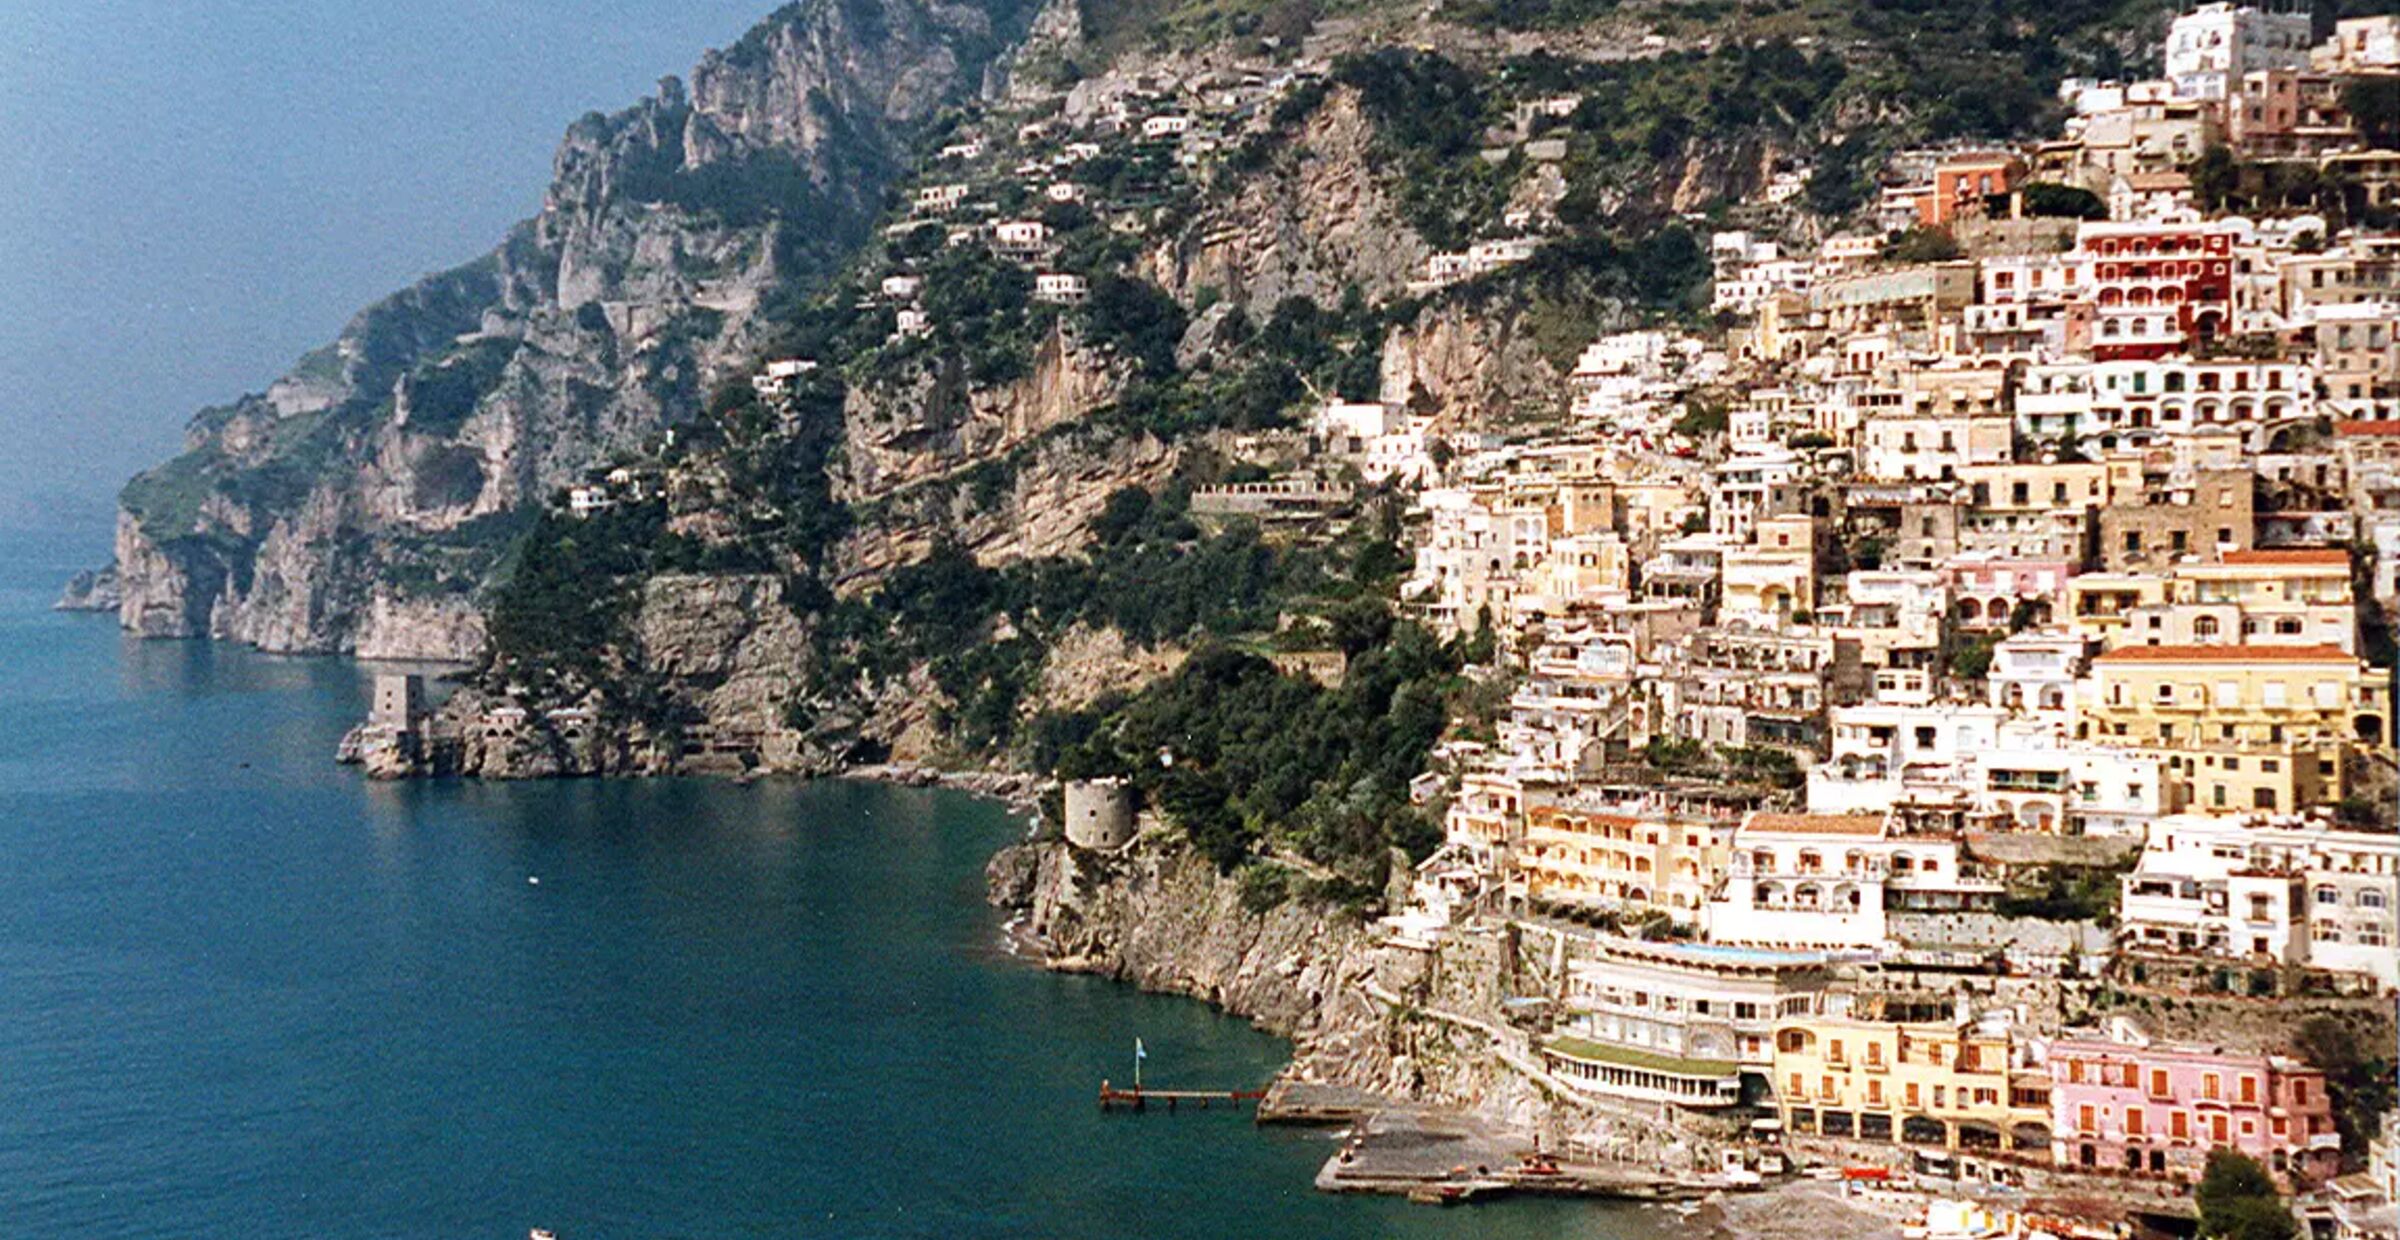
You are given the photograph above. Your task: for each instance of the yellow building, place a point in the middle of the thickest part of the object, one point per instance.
(1925, 1084)
(2102, 607)
(2243, 727)
(1604, 859)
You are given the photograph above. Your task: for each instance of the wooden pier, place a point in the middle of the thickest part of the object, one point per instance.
(1139, 1098)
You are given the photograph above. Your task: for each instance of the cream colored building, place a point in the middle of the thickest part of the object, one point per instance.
(1607, 859)
(1953, 1085)
(2244, 727)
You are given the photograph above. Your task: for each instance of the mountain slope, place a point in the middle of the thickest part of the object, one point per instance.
(362, 500)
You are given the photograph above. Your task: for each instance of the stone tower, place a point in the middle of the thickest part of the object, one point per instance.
(1099, 813)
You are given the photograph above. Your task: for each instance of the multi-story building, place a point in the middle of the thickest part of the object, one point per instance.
(2156, 1109)
(2278, 597)
(1826, 880)
(2212, 47)
(2246, 727)
(1956, 1085)
(2157, 288)
(1678, 1023)
(1637, 862)
(2282, 892)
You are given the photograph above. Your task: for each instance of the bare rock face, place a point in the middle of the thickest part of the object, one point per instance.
(1479, 370)
(91, 590)
(358, 502)
(936, 424)
(1393, 1021)
(1317, 219)
(728, 641)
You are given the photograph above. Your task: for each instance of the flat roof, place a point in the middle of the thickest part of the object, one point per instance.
(1627, 1057)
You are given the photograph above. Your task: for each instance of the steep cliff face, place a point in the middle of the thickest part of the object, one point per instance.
(1399, 1022)
(1315, 219)
(362, 500)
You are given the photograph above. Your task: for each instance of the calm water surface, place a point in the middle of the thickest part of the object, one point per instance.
(245, 993)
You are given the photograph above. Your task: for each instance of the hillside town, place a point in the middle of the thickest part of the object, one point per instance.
(1942, 697)
(1994, 614)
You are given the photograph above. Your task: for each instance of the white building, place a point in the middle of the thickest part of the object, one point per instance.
(2212, 46)
(1020, 237)
(939, 199)
(1064, 288)
(1679, 1023)
(1825, 881)
(2279, 891)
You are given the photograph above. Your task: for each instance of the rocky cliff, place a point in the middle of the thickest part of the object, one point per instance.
(361, 502)
(1397, 1022)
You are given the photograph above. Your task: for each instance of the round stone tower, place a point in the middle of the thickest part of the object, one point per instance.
(1099, 813)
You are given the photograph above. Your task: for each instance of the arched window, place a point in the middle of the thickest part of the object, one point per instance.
(2205, 626)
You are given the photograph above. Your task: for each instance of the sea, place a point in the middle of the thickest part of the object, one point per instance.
(246, 993)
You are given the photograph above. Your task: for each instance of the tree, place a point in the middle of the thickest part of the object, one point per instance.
(2238, 1200)
(2048, 198)
(1140, 320)
(2373, 102)
(1972, 660)
(2359, 1077)
(1922, 245)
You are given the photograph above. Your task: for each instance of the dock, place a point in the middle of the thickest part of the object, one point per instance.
(1139, 1098)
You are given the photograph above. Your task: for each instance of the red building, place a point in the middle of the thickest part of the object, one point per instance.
(2157, 289)
(1962, 184)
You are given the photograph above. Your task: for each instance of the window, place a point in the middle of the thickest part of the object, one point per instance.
(2300, 1093)
(2158, 1083)
(2212, 1086)
(2249, 1088)
(2134, 1122)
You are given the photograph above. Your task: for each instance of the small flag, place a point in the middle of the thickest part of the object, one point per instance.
(1138, 1052)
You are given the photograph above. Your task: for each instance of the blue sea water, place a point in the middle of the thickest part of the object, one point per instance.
(244, 992)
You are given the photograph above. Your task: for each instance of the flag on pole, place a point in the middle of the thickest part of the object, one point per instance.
(1138, 1052)
(1138, 1056)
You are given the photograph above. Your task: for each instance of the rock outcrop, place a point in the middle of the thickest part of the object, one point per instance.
(1314, 220)
(93, 589)
(1393, 1021)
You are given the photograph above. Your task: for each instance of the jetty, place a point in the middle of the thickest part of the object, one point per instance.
(1140, 1098)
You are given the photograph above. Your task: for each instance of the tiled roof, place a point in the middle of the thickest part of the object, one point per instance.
(2356, 427)
(1816, 824)
(2226, 654)
(2290, 555)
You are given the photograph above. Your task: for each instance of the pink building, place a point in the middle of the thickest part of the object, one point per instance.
(2157, 1110)
(1985, 593)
